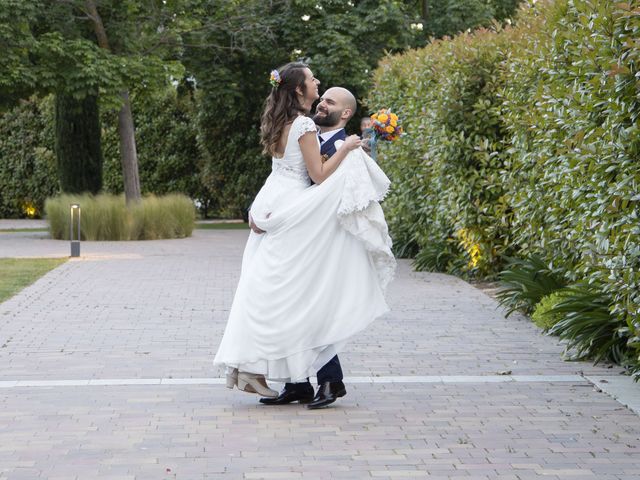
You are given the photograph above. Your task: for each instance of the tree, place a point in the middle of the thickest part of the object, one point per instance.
(126, 128)
(341, 41)
(78, 144)
(49, 50)
(448, 17)
(135, 47)
(127, 49)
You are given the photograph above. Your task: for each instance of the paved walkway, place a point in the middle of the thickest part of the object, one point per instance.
(105, 372)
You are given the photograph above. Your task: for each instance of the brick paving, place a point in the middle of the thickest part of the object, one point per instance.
(151, 310)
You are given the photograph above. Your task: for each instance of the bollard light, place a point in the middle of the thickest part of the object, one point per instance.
(75, 218)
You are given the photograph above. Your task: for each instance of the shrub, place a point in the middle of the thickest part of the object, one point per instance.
(107, 217)
(169, 159)
(588, 326)
(543, 315)
(524, 283)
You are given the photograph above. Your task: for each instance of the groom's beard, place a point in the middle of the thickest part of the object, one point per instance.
(331, 120)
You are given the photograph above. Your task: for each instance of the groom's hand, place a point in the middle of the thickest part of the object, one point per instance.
(254, 227)
(352, 142)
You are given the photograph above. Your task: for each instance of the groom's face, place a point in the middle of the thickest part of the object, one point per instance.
(329, 111)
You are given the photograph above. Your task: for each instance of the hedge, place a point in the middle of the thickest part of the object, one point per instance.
(27, 163)
(448, 200)
(524, 141)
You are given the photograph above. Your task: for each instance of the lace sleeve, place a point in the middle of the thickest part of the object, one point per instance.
(302, 125)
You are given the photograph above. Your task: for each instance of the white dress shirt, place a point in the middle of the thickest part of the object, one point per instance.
(327, 135)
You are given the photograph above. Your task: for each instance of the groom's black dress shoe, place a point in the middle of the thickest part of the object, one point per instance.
(302, 393)
(328, 392)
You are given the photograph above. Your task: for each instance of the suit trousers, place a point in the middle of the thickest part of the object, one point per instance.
(330, 372)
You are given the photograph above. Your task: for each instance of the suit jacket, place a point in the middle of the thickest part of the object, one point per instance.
(328, 148)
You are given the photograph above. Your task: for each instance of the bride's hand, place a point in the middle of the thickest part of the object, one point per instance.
(352, 142)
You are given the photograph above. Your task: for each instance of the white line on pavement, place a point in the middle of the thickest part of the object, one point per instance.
(448, 379)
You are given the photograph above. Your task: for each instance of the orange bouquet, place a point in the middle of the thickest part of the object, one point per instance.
(385, 125)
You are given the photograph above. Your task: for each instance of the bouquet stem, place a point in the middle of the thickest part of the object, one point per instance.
(373, 144)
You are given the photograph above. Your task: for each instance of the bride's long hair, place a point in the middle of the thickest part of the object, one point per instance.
(282, 105)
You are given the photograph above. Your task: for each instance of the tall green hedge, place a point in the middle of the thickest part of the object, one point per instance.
(524, 141)
(448, 201)
(27, 161)
(575, 177)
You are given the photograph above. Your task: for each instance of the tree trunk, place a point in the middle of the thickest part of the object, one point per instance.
(425, 10)
(128, 152)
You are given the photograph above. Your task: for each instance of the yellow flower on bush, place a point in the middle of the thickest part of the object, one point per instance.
(29, 209)
(470, 245)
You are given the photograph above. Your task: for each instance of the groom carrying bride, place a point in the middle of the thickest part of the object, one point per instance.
(335, 109)
(318, 276)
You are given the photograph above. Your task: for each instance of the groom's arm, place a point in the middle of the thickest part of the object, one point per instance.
(253, 226)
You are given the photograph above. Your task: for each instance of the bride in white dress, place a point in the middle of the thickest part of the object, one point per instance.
(317, 276)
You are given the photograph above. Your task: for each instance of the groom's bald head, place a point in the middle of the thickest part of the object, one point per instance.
(347, 99)
(336, 107)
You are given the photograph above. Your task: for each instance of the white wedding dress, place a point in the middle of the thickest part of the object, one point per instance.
(317, 276)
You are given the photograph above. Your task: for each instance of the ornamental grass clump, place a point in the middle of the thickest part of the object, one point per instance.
(107, 217)
(170, 216)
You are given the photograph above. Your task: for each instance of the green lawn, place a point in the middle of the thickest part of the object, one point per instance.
(222, 226)
(17, 273)
(15, 230)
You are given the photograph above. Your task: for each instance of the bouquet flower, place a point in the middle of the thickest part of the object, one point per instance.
(385, 126)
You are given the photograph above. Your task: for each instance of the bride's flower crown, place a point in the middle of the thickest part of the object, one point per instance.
(274, 79)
